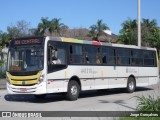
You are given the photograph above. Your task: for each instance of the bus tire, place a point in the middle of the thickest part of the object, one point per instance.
(131, 85)
(42, 96)
(73, 90)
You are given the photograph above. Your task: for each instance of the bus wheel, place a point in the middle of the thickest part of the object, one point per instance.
(73, 90)
(131, 85)
(40, 96)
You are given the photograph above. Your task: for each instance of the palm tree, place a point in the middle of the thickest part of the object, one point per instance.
(57, 27)
(128, 34)
(97, 30)
(101, 27)
(152, 25)
(93, 31)
(150, 32)
(50, 27)
(43, 26)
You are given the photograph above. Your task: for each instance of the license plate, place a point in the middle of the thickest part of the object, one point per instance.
(23, 89)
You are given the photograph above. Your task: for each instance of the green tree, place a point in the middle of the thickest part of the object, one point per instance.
(43, 26)
(97, 30)
(51, 26)
(13, 32)
(101, 27)
(57, 27)
(150, 32)
(4, 39)
(21, 29)
(93, 31)
(128, 33)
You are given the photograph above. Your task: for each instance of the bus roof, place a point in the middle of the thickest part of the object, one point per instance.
(72, 40)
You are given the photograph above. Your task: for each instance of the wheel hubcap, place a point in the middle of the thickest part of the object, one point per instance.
(74, 90)
(131, 85)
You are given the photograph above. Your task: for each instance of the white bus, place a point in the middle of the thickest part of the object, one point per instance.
(43, 65)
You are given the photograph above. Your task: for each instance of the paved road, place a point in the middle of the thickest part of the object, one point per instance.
(111, 100)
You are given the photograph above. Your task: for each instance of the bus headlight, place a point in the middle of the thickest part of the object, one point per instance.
(41, 78)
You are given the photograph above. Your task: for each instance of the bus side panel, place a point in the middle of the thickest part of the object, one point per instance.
(123, 74)
(147, 76)
(112, 76)
(55, 85)
(100, 77)
(58, 81)
(155, 78)
(86, 77)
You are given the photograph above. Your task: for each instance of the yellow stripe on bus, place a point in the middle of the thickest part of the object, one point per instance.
(23, 82)
(24, 77)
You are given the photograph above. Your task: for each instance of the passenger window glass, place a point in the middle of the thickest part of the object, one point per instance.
(90, 54)
(123, 56)
(112, 56)
(104, 55)
(76, 56)
(61, 56)
(149, 59)
(137, 57)
(56, 52)
(56, 55)
(98, 55)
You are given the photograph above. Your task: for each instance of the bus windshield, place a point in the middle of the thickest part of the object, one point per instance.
(25, 59)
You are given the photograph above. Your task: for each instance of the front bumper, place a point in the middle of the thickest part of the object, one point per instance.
(35, 89)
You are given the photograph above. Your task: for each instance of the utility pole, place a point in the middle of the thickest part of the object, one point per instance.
(139, 23)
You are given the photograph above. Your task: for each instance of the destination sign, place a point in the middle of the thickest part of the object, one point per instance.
(23, 42)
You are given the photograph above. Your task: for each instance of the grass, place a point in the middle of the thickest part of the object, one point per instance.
(146, 105)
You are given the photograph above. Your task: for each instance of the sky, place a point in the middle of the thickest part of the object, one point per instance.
(76, 13)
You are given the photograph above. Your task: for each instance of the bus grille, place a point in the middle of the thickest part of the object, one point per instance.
(23, 80)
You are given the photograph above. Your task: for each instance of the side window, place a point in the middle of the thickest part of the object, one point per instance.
(56, 52)
(104, 55)
(123, 56)
(137, 57)
(92, 54)
(76, 54)
(98, 55)
(149, 58)
(61, 56)
(111, 56)
(56, 55)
